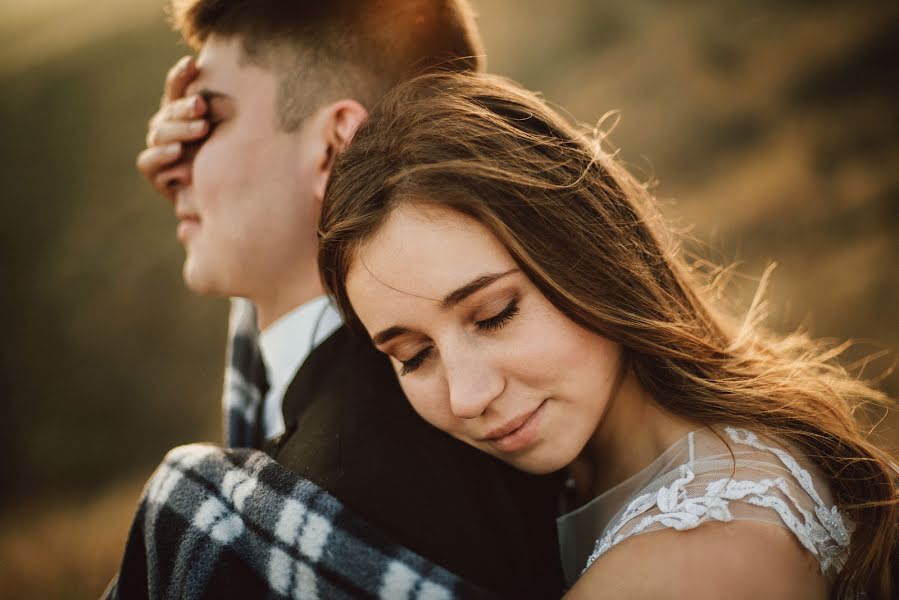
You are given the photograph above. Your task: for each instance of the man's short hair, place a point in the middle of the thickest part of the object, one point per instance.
(326, 50)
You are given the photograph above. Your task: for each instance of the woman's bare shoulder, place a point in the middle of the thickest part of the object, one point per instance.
(736, 559)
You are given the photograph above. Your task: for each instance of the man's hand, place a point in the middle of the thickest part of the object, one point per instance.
(178, 122)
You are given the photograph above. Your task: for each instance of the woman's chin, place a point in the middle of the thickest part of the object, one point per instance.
(536, 461)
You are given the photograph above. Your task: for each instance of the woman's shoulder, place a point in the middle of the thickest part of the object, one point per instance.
(728, 475)
(735, 559)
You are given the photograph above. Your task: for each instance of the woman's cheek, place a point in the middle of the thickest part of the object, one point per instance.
(426, 403)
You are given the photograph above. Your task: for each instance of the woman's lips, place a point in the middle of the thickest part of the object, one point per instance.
(518, 433)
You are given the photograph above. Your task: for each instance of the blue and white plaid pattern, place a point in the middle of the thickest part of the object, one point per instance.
(216, 522)
(210, 517)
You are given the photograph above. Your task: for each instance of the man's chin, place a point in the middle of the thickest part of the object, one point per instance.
(198, 281)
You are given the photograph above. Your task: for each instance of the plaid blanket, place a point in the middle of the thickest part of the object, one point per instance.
(216, 523)
(233, 523)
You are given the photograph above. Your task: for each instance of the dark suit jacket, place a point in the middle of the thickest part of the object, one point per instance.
(351, 430)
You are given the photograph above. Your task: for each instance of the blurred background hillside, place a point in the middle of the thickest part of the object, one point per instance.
(772, 128)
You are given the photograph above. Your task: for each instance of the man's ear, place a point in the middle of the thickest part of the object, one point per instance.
(340, 122)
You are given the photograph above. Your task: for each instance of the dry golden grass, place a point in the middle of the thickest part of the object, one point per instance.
(66, 549)
(35, 32)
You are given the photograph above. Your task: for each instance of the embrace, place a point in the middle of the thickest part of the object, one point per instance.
(468, 358)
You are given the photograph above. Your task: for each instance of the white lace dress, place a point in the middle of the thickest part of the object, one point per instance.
(698, 480)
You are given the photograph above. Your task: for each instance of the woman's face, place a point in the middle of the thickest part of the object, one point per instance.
(479, 351)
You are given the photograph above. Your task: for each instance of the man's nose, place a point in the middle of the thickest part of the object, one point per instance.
(473, 384)
(180, 175)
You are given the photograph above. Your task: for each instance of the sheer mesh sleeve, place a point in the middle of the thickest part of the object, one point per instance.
(739, 475)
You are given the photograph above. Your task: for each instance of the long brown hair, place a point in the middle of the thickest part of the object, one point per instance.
(589, 237)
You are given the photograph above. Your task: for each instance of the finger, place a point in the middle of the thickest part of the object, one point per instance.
(152, 160)
(184, 109)
(167, 132)
(167, 182)
(178, 77)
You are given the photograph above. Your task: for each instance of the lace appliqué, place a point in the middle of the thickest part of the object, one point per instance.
(825, 533)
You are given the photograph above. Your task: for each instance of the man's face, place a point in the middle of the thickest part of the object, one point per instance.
(248, 218)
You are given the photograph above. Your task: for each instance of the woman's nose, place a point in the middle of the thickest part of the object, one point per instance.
(473, 384)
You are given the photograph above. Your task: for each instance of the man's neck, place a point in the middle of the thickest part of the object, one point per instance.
(283, 300)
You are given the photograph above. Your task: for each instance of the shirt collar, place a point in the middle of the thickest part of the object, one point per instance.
(286, 343)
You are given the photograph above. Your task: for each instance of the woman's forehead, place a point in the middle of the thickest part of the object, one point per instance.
(422, 252)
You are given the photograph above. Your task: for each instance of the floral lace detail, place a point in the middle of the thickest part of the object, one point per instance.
(825, 534)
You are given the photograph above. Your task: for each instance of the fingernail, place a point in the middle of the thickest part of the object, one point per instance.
(197, 126)
(172, 148)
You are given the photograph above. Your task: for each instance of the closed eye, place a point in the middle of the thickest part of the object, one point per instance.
(213, 122)
(493, 323)
(499, 320)
(416, 361)
(220, 107)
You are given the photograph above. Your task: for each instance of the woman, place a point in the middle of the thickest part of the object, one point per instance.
(535, 307)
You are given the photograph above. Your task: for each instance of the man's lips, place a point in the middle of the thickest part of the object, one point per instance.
(188, 223)
(183, 215)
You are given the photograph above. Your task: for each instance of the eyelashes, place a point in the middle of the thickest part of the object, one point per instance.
(213, 123)
(416, 361)
(498, 321)
(494, 323)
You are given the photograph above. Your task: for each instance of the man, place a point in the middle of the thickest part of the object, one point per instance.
(242, 146)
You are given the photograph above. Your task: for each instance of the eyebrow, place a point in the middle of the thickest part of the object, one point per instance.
(451, 300)
(210, 95)
(479, 283)
(388, 334)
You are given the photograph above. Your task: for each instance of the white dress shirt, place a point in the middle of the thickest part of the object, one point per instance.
(285, 345)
